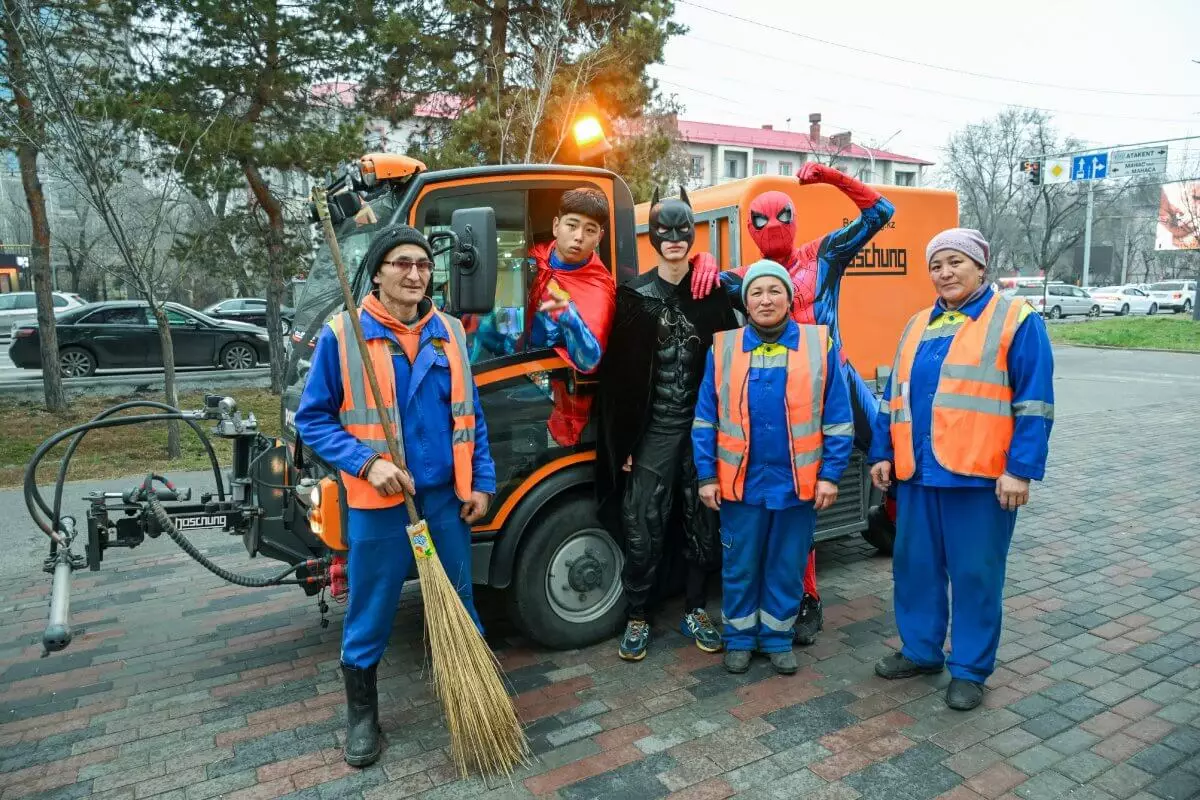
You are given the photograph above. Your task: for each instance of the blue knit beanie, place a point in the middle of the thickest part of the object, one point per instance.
(764, 268)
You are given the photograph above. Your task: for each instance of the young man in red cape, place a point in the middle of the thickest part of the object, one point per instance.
(572, 299)
(816, 268)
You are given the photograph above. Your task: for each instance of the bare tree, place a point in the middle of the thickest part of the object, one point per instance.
(28, 124)
(105, 153)
(981, 164)
(552, 71)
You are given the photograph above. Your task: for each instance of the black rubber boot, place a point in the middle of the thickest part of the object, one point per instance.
(362, 716)
(964, 695)
(897, 666)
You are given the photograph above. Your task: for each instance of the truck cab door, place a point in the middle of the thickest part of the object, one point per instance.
(523, 389)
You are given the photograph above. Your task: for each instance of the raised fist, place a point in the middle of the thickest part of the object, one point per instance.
(813, 172)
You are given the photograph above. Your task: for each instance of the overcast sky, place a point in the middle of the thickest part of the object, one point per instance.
(745, 73)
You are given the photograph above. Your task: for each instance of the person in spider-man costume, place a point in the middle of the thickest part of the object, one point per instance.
(816, 268)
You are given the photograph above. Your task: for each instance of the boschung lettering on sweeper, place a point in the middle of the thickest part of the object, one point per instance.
(876, 260)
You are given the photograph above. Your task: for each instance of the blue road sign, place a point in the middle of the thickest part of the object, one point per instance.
(1090, 167)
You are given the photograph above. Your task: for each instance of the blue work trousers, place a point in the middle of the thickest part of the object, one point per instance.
(764, 554)
(956, 538)
(380, 562)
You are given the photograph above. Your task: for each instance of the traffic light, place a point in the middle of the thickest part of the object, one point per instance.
(1033, 169)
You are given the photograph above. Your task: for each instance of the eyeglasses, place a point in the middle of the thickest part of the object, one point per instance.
(405, 264)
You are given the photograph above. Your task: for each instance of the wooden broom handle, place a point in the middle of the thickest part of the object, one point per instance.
(394, 438)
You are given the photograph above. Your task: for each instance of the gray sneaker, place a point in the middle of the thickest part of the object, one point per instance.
(737, 661)
(785, 662)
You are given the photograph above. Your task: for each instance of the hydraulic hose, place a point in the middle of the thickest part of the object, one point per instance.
(164, 520)
(30, 485)
(38, 508)
(56, 513)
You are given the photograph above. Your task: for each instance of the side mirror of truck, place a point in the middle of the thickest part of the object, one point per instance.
(473, 262)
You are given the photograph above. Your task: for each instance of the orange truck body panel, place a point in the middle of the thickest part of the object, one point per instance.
(888, 281)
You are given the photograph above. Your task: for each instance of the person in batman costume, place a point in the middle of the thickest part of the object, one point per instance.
(649, 379)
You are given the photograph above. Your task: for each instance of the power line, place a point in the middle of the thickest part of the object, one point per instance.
(940, 148)
(927, 65)
(937, 92)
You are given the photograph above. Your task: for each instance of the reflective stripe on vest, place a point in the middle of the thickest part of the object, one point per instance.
(973, 411)
(804, 396)
(361, 420)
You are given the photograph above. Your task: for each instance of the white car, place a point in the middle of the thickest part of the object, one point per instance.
(1122, 300)
(1059, 300)
(20, 308)
(1174, 295)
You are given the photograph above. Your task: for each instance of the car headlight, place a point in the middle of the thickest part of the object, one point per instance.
(262, 337)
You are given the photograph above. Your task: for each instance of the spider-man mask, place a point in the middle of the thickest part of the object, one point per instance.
(772, 225)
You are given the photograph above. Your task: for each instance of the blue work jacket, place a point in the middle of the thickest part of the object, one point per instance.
(423, 400)
(769, 478)
(1030, 373)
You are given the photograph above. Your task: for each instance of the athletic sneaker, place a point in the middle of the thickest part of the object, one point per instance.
(696, 625)
(810, 621)
(635, 641)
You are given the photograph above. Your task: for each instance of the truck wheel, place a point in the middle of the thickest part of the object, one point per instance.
(566, 589)
(881, 531)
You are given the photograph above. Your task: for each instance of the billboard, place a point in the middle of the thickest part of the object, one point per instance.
(1178, 217)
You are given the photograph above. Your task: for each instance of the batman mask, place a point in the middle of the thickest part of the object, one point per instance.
(671, 221)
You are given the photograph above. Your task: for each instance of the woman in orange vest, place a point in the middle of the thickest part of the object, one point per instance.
(420, 359)
(773, 433)
(964, 426)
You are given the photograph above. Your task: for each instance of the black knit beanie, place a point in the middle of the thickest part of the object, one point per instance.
(391, 237)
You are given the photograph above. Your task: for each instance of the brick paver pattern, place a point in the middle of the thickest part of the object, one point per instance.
(181, 687)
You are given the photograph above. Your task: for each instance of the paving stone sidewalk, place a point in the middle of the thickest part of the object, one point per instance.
(184, 687)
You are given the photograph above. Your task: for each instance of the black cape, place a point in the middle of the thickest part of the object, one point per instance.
(626, 376)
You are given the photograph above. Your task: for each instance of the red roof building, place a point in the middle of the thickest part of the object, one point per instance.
(721, 153)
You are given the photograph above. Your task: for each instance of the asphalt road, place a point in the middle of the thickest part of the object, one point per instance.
(9, 372)
(1086, 381)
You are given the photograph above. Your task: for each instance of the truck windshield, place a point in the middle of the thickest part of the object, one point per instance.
(321, 287)
(321, 295)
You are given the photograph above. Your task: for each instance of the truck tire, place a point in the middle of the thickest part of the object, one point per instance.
(566, 590)
(881, 531)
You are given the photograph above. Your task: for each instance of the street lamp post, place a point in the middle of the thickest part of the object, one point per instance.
(871, 154)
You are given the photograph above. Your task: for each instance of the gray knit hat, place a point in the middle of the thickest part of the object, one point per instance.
(391, 237)
(965, 240)
(763, 268)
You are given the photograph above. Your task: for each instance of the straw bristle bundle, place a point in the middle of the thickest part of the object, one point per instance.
(485, 733)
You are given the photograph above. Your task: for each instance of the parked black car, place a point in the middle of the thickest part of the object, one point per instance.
(252, 310)
(123, 334)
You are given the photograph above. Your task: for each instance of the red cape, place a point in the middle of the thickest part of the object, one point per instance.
(591, 287)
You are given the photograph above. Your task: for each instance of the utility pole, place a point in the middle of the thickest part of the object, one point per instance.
(1196, 303)
(1125, 255)
(1087, 234)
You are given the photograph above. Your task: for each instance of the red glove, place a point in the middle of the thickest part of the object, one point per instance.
(706, 274)
(863, 196)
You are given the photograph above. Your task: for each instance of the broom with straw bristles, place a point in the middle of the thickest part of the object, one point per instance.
(485, 733)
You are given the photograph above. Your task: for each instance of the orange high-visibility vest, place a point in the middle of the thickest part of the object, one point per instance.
(972, 407)
(805, 398)
(360, 419)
